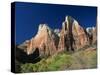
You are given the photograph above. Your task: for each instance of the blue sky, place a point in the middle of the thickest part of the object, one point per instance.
(29, 15)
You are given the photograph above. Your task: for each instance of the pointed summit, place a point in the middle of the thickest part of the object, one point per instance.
(71, 20)
(45, 41)
(72, 35)
(67, 18)
(43, 26)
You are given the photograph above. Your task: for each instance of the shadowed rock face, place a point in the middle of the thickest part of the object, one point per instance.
(92, 35)
(48, 42)
(72, 35)
(95, 35)
(22, 57)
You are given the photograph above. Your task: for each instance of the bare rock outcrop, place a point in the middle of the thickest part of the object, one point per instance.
(72, 35)
(92, 35)
(46, 41)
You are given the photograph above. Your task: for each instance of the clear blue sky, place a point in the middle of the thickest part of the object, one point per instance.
(29, 15)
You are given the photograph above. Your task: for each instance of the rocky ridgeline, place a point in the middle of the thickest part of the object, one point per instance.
(70, 37)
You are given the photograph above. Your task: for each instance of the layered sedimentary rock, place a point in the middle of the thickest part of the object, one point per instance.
(46, 41)
(72, 35)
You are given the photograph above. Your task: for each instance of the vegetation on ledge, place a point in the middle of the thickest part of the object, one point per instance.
(84, 59)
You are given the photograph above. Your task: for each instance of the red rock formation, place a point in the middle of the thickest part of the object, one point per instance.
(45, 41)
(72, 35)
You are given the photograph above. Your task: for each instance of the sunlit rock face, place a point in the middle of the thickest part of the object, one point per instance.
(72, 35)
(57, 31)
(46, 41)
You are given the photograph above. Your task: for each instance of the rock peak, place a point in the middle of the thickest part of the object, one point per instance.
(41, 26)
(68, 17)
(70, 37)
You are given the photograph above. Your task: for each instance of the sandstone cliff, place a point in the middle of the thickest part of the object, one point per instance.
(72, 36)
